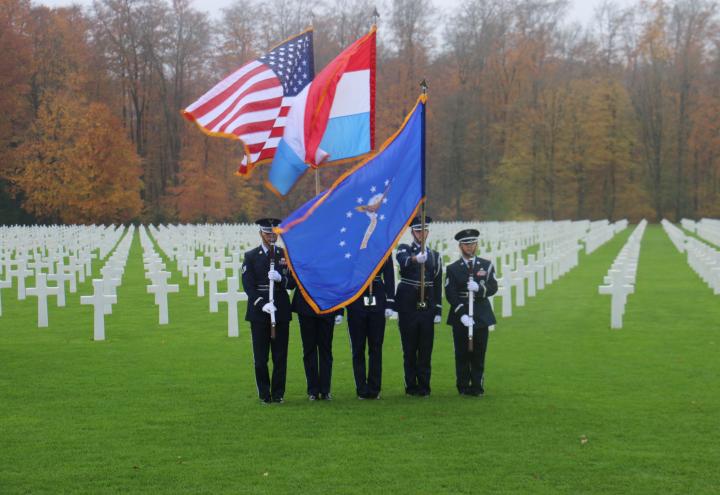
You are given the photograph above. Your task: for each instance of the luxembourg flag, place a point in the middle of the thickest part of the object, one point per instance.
(332, 119)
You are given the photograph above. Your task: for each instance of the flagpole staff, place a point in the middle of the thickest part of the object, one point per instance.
(471, 304)
(272, 290)
(422, 304)
(317, 169)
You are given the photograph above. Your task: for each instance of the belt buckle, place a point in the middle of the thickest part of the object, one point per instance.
(421, 305)
(369, 301)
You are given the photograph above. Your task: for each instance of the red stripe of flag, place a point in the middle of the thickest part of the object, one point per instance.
(254, 106)
(252, 127)
(259, 86)
(277, 131)
(218, 99)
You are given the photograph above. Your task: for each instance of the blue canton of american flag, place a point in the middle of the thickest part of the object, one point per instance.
(292, 63)
(253, 102)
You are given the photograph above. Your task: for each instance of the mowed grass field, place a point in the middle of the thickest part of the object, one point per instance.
(571, 406)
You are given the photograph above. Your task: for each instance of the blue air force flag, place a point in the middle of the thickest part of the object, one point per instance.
(337, 241)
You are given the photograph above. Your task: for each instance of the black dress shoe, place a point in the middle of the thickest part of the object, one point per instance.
(278, 400)
(265, 400)
(327, 396)
(312, 397)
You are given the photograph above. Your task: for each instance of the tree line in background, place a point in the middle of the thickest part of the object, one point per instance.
(529, 117)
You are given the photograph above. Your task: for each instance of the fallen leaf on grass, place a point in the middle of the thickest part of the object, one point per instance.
(266, 473)
(583, 440)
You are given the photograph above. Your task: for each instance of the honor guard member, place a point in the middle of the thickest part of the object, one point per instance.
(470, 274)
(262, 265)
(316, 331)
(417, 315)
(366, 325)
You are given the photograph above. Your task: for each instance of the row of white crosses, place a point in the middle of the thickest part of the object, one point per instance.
(620, 279)
(702, 258)
(62, 255)
(105, 288)
(676, 235)
(707, 228)
(205, 253)
(182, 243)
(557, 255)
(158, 276)
(601, 231)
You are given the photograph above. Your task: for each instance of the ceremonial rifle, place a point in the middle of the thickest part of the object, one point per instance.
(272, 290)
(471, 304)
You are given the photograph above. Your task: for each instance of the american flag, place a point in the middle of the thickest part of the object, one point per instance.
(251, 103)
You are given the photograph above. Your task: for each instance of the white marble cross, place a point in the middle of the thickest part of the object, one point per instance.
(235, 263)
(532, 267)
(161, 289)
(72, 269)
(619, 291)
(505, 292)
(99, 300)
(232, 297)
(195, 267)
(517, 278)
(4, 284)
(213, 276)
(59, 277)
(42, 291)
(21, 273)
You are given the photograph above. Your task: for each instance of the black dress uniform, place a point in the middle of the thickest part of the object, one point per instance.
(316, 331)
(366, 324)
(470, 366)
(417, 323)
(257, 287)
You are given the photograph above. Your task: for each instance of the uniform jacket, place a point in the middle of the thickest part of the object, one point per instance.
(257, 286)
(483, 272)
(408, 291)
(383, 288)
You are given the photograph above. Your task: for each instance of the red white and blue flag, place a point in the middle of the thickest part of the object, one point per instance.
(252, 103)
(332, 119)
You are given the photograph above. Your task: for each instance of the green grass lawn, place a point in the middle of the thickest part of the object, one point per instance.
(571, 406)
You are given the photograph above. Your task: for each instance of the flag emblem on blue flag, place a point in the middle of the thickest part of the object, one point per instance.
(336, 242)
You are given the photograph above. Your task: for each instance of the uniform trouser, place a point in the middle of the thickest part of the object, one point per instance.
(317, 337)
(469, 366)
(417, 333)
(262, 345)
(366, 326)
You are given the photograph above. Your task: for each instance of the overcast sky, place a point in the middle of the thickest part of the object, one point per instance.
(580, 11)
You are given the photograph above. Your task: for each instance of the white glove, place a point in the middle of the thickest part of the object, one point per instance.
(274, 275)
(269, 308)
(338, 319)
(388, 312)
(466, 320)
(437, 319)
(421, 257)
(473, 286)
